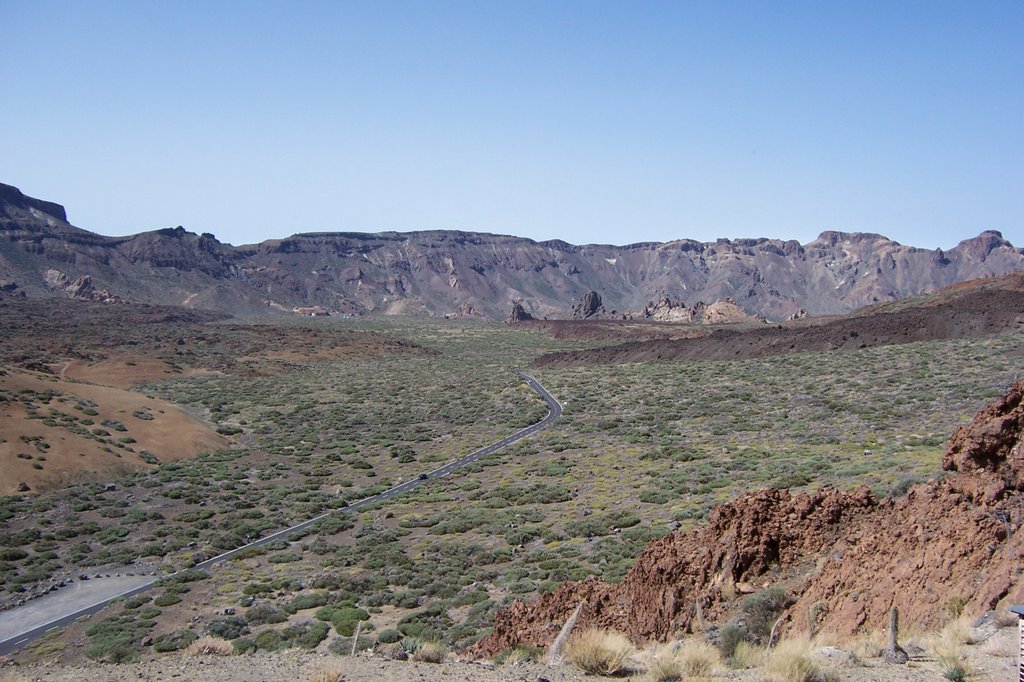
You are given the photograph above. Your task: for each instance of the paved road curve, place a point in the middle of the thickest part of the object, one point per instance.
(554, 411)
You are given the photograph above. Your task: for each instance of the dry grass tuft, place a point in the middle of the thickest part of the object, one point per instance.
(869, 644)
(693, 660)
(948, 649)
(665, 667)
(430, 652)
(747, 655)
(1000, 647)
(210, 646)
(1005, 619)
(521, 654)
(792, 660)
(331, 672)
(599, 652)
(960, 631)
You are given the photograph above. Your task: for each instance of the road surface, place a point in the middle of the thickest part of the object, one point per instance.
(33, 631)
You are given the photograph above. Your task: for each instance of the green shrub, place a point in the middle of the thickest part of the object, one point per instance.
(228, 628)
(729, 638)
(306, 635)
(174, 641)
(389, 636)
(243, 645)
(265, 614)
(269, 640)
(167, 599)
(310, 600)
(116, 640)
(762, 609)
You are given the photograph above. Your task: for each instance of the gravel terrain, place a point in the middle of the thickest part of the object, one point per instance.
(994, 660)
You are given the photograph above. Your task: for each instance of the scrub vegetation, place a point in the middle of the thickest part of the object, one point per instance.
(642, 449)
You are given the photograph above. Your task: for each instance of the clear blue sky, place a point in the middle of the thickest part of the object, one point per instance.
(584, 121)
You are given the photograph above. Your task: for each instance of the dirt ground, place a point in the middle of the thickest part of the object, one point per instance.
(991, 661)
(43, 453)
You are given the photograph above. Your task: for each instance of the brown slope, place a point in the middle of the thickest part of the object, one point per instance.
(127, 344)
(49, 440)
(847, 555)
(973, 312)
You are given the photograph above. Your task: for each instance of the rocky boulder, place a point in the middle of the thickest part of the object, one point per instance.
(990, 448)
(724, 312)
(590, 305)
(665, 310)
(80, 288)
(10, 289)
(518, 314)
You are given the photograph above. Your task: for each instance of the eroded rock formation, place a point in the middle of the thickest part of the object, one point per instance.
(80, 288)
(590, 305)
(518, 314)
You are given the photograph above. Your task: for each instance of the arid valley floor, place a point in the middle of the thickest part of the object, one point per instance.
(802, 469)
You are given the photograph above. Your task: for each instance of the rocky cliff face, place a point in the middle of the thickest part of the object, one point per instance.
(440, 272)
(844, 556)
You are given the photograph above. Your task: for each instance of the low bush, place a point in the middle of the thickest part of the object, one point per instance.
(265, 614)
(174, 641)
(116, 640)
(167, 599)
(243, 645)
(228, 628)
(389, 636)
(425, 650)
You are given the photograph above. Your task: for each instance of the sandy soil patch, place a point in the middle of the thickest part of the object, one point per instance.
(124, 371)
(59, 432)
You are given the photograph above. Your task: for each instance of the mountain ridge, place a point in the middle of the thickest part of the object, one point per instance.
(440, 272)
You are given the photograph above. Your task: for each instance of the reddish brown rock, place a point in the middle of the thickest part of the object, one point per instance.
(656, 599)
(847, 558)
(991, 444)
(923, 553)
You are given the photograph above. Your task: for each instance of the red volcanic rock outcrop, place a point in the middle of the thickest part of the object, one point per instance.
(935, 547)
(656, 600)
(991, 444)
(946, 540)
(845, 557)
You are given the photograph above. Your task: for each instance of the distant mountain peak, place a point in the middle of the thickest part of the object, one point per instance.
(435, 272)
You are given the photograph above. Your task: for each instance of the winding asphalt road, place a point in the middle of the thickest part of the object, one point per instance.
(554, 412)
